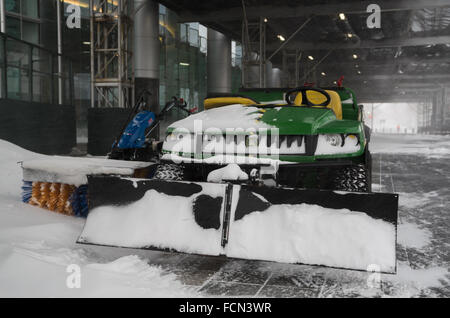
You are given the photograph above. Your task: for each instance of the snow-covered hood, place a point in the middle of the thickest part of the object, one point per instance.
(232, 116)
(288, 120)
(241, 130)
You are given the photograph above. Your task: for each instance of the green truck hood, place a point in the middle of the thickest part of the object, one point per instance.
(290, 120)
(294, 120)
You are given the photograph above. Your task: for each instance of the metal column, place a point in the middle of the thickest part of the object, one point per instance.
(2, 17)
(218, 63)
(254, 73)
(147, 50)
(60, 66)
(112, 78)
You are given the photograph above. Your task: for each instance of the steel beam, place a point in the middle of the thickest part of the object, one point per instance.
(393, 62)
(289, 38)
(112, 82)
(291, 11)
(367, 44)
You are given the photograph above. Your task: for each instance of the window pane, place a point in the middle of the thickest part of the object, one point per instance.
(30, 32)
(2, 71)
(2, 51)
(17, 53)
(30, 8)
(18, 84)
(42, 88)
(193, 37)
(2, 84)
(12, 6)
(42, 61)
(13, 27)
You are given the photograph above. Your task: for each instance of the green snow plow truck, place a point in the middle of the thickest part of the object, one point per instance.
(315, 138)
(255, 176)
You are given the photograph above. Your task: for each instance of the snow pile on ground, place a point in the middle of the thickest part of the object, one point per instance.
(416, 200)
(229, 172)
(33, 272)
(411, 235)
(156, 220)
(411, 281)
(425, 145)
(10, 172)
(311, 234)
(36, 246)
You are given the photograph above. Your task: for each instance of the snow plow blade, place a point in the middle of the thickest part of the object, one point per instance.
(336, 229)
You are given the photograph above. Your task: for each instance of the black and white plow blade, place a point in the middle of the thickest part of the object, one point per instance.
(345, 230)
(154, 214)
(336, 229)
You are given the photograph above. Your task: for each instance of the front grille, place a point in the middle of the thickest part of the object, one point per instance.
(255, 144)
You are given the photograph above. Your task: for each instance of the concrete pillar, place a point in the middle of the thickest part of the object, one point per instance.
(268, 67)
(435, 112)
(218, 63)
(147, 50)
(252, 77)
(252, 72)
(275, 78)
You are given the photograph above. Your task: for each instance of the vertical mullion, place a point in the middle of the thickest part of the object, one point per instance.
(30, 71)
(5, 66)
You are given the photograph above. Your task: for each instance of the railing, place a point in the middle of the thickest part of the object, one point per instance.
(29, 72)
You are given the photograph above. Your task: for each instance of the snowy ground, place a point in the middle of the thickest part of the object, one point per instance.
(36, 246)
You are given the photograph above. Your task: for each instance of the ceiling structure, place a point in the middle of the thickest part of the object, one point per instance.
(407, 58)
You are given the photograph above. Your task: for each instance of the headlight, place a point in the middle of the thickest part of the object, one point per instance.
(170, 137)
(178, 141)
(334, 140)
(176, 136)
(337, 144)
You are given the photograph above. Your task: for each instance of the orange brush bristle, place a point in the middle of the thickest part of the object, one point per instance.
(63, 205)
(54, 196)
(35, 193)
(45, 194)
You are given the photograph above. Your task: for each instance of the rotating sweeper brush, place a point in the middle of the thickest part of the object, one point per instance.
(60, 184)
(286, 181)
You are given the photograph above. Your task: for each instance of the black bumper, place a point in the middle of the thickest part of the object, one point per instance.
(319, 174)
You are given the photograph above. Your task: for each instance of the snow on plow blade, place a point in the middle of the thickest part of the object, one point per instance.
(336, 229)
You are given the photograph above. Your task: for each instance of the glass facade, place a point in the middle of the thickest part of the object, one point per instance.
(182, 60)
(29, 72)
(76, 45)
(23, 19)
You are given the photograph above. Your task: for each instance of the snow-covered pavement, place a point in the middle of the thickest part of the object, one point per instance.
(36, 246)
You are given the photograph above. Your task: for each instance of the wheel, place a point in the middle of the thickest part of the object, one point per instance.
(169, 171)
(354, 178)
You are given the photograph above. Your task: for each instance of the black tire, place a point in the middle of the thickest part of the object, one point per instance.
(169, 171)
(353, 178)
